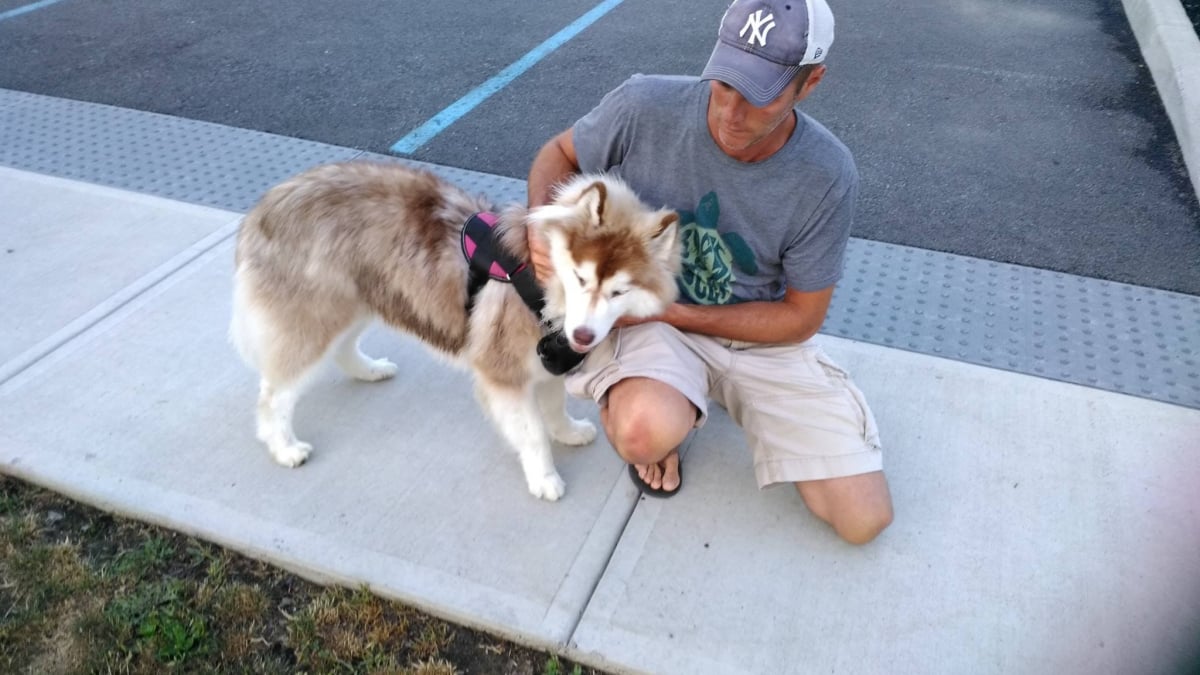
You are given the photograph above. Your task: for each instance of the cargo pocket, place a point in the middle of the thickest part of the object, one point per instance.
(870, 430)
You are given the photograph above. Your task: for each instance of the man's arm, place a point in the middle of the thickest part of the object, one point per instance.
(552, 165)
(795, 318)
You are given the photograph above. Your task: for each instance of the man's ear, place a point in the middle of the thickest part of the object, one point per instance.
(593, 201)
(810, 82)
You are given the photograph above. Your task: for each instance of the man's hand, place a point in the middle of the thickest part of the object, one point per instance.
(665, 317)
(554, 163)
(539, 256)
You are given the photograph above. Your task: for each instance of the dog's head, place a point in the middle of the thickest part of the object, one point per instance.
(613, 256)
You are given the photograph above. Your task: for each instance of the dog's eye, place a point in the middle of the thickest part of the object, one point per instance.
(580, 280)
(617, 291)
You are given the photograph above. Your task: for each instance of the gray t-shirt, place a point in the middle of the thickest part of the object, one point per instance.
(749, 229)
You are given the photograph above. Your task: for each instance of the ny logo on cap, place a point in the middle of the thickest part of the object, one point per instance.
(754, 23)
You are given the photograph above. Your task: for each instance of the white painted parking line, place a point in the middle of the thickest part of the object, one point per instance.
(422, 134)
(25, 9)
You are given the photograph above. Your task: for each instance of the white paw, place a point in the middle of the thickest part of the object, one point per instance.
(292, 455)
(549, 487)
(579, 432)
(378, 369)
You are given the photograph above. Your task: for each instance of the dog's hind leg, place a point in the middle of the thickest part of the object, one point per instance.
(515, 413)
(276, 406)
(552, 400)
(356, 364)
(290, 353)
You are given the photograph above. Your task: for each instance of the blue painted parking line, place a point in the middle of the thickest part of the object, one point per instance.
(26, 9)
(422, 134)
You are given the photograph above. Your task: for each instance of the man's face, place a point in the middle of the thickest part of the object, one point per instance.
(748, 133)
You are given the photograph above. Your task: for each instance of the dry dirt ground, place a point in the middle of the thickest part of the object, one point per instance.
(82, 591)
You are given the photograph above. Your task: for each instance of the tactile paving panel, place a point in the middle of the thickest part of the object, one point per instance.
(1118, 337)
(1112, 336)
(181, 159)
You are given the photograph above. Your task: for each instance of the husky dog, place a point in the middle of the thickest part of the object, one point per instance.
(326, 252)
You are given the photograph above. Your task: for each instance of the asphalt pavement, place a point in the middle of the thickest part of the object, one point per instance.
(1027, 133)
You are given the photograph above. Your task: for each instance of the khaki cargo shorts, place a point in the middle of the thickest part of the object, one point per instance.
(803, 417)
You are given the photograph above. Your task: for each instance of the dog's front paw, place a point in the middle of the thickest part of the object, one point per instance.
(549, 487)
(291, 455)
(578, 432)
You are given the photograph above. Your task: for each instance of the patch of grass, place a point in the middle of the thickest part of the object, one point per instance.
(82, 591)
(8, 504)
(342, 627)
(38, 578)
(555, 667)
(163, 618)
(433, 638)
(145, 560)
(240, 608)
(431, 667)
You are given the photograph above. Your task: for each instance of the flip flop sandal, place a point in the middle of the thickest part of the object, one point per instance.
(653, 491)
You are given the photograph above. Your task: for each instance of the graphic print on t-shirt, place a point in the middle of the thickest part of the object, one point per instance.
(710, 256)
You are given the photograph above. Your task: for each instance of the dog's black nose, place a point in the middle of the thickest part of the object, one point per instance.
(583, 337)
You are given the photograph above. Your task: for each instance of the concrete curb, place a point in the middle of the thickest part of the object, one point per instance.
(1172, 52)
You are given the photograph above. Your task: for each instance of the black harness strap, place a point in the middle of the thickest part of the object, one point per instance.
(477, 248)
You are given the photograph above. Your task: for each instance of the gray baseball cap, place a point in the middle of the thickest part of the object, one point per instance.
(762, 44)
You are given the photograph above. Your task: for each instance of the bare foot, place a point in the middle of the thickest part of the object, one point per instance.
(661, 476)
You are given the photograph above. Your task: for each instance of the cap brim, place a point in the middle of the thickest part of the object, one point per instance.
(758, 80)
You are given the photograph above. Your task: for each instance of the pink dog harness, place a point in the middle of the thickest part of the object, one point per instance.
(477, 244)
(489, 262)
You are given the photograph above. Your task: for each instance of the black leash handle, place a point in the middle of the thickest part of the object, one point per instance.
(556, 354)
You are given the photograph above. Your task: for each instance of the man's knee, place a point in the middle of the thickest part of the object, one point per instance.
(862, 527)
(646, 419)
(858, 507)
(639, 437)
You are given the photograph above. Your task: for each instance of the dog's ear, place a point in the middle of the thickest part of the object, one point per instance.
(665, 235)
(593, 200)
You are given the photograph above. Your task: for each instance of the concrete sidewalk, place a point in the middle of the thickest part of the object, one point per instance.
(1041, 526)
